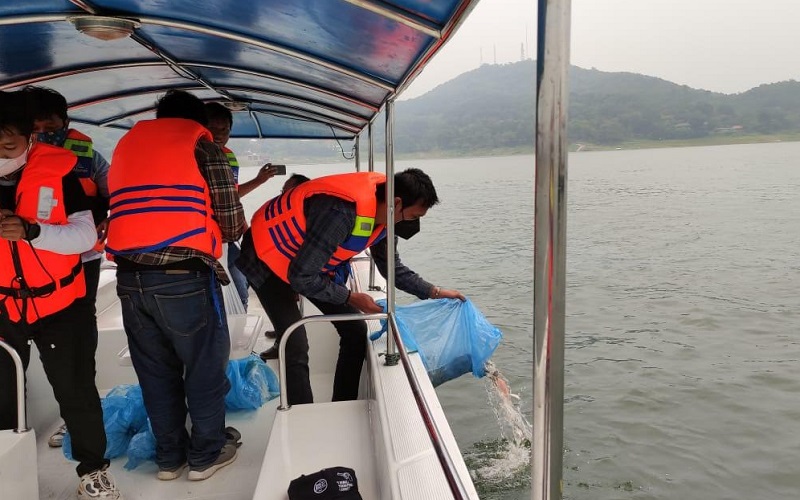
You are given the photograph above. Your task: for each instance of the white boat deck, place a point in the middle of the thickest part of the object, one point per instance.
(381, 436)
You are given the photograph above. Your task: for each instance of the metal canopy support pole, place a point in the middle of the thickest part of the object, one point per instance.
(357, 154)
(549, 245)
(371, 167)
(392, 357)
(371, 155)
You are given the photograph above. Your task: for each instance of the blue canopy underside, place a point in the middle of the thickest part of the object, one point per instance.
(293, 68)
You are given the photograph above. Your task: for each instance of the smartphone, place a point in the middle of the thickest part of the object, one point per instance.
(279, 169)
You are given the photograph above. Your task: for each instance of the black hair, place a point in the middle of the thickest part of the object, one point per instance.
(298, 179)
(217, 111)
(15, 113)
(46, 102)
(180, 104)
(412, 186)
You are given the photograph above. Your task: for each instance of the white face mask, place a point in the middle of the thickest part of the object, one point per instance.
(10, 165)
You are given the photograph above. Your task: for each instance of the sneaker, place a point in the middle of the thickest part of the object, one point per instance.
(226, 456)
(271, 353)
(57, 439)
(171, 473)
(233, 436)
(98, 484)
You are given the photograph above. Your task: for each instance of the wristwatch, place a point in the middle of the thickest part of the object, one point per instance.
(32, 231)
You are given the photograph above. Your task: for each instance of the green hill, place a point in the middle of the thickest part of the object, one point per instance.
(493, 107)
(490, 110)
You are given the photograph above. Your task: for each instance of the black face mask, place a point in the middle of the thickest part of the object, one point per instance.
(406, 228)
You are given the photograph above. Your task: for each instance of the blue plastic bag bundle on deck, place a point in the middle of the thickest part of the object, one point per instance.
(123, 417)
(451, 336)
(142, 448)
(252, 384)
(128, 429)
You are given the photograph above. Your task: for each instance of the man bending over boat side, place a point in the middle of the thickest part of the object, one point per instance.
(173, 204)
(318, 226)
(51, 126)
(220, 121)
(45, 224)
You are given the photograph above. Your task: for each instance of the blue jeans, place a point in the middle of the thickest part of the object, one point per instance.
(239, 279)
(179, 346)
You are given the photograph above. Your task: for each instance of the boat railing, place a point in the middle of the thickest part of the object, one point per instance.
(22, 420)
(446, 461)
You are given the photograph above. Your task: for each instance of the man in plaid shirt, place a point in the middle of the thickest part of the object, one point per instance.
(168, 278)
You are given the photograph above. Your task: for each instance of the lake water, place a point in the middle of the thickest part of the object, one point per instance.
(682, 373)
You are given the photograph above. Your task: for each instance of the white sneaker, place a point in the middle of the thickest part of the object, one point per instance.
(57, 439)
(226, 456)
(98, 484)
(173, 473)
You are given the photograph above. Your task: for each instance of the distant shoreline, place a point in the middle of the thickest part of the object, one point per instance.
(717, 140)
(573, 148)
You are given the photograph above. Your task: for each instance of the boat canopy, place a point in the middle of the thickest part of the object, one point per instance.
(312, 69)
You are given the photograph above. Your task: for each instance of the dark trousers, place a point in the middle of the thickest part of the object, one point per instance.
(239, 279)
(66, 348)
(279, 301)
(179, 345)
(91, 271)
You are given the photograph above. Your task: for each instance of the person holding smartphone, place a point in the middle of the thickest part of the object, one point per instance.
(220, 121)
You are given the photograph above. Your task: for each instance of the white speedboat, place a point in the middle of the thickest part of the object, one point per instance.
(290, 69)
(382, 436)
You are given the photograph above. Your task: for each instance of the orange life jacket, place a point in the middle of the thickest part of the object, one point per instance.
(279, 226)
(81, 145)
(35, 283)
(158, 196)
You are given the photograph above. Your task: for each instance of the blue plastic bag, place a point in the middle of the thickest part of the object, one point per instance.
(253, 383)
(142, 448)
(123, 417)
(451, 336)
(128, 429)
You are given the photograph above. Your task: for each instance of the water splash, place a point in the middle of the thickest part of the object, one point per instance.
(502, 464)
(513, 424)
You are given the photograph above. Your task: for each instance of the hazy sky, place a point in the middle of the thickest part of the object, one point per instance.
(721, 45)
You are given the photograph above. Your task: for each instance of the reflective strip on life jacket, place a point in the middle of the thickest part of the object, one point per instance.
(83, 148)
(234, 163)
(177, 198)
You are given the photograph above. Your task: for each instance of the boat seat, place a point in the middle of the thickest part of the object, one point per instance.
(311, 437)
(18, 465)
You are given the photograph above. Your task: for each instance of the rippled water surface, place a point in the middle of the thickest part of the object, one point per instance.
(682, 373)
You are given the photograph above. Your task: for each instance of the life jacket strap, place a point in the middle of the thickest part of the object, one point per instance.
(39, 291)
